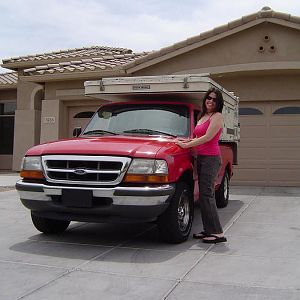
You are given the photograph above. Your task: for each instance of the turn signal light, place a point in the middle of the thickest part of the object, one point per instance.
(32, 174)
(146, 178)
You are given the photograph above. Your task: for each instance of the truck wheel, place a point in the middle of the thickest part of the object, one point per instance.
(222, 194)
(176, 222)
(49, 226)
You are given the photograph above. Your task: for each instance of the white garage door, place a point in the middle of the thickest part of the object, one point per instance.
(269, 151)
(79, 117)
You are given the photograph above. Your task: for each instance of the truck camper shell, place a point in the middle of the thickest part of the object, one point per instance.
(188, 88)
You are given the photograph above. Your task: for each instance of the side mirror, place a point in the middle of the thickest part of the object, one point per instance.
(76, 131)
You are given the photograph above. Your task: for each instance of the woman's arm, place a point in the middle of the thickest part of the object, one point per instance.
(216, 123)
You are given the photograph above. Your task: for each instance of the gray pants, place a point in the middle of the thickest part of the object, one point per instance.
(208, 167)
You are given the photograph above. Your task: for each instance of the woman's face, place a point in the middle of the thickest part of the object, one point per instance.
(210, 102)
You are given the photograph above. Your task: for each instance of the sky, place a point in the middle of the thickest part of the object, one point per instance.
(38, 26)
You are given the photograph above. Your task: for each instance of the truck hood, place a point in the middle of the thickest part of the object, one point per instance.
(131, 146)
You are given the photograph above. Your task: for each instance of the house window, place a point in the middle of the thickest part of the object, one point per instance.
(7, 120)
(249, 111)
(288, 110)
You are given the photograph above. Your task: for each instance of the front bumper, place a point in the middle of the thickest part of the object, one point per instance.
(109, 204)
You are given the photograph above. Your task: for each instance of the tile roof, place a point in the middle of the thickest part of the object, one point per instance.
(264, 13)
(104, 61)
(95, 58)
(64, 55)
(8, 79)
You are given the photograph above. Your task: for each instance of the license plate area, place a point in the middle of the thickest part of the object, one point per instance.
(77, 198)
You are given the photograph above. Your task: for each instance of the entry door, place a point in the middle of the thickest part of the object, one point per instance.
(7, 118)
(80, 116)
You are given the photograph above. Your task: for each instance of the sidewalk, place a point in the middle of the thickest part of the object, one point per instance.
(8, 178)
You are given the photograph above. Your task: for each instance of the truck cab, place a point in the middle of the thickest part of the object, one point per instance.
(123, 167)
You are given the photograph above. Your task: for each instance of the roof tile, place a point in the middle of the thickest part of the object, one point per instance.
(162, 51)
(280, 15)
(53, 65)
(235, 23)
(193, 39)
(206, 34)
(179, 45)
(248, 18)
(8, 79)
(220, 29)
(268, 13)
(295, 19)
(41, 67)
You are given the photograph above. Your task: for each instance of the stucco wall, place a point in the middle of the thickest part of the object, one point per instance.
(27, 119)
(273, 87)
(239, 48)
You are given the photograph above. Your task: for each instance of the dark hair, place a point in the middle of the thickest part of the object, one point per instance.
(219, 101)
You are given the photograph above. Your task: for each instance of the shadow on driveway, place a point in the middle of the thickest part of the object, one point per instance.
(105, 237)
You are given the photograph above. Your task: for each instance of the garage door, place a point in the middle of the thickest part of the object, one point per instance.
(269, 151)
(79, 117)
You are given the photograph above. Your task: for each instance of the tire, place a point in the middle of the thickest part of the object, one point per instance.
(49, 226)
(176, 222)
(222, 194)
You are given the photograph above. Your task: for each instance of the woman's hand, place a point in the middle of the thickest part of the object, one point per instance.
(182, 144)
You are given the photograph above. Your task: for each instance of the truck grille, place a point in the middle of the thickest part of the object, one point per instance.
(92, 170)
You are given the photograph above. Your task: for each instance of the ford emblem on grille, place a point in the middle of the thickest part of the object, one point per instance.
(80, 171)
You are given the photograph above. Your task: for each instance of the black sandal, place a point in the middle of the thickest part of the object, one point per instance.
(200, 235)
(217, 239)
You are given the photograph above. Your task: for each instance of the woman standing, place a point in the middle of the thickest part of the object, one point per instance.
(208, 131)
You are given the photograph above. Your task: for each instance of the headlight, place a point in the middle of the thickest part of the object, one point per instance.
(32, 167)
(32, 163)
(147, 171)
(148, 166)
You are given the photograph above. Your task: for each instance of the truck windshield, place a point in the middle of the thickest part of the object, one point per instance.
(140, 119)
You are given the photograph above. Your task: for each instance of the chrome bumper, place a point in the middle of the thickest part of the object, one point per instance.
(134, 196)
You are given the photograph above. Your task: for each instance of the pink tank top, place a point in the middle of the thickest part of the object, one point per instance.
(211, 147)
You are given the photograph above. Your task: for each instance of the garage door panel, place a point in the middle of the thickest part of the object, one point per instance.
(284, 131)
(285, 164)
(248, 143)
(284, 154)
(253, 131)
(252, 164)
(285, 175)
(257, 174)
(286, 120)
(256, 154)
(283, 142)
(249, 121)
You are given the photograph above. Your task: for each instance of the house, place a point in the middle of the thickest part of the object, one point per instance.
(256, 56)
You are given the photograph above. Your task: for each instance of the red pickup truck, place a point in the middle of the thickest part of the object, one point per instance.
(123, 167)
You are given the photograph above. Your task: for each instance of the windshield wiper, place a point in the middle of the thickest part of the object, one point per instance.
(149, 131)
(98, 131)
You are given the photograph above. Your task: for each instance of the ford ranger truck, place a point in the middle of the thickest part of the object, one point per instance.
(123, 167)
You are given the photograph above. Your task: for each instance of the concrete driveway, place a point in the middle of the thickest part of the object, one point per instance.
(261, 259)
